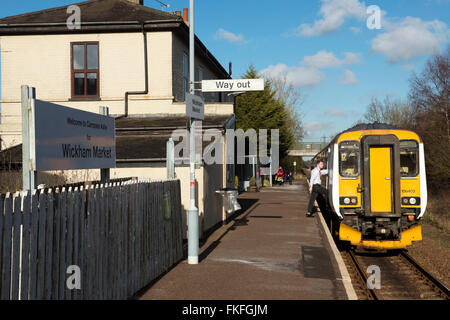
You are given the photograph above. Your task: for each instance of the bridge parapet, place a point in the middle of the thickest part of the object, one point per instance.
(307, 149)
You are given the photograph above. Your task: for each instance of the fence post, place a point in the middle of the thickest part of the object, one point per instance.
(170, 159)
(28, 174)
(104, 173)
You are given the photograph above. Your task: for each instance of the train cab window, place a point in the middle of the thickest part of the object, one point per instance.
(349, 158)
(409, 158)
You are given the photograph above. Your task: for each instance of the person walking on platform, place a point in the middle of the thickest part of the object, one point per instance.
(315, 185)
(280, 174)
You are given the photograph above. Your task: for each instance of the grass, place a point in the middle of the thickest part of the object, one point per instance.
(436, 220)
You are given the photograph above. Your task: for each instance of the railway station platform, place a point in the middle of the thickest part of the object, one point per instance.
(270, 251)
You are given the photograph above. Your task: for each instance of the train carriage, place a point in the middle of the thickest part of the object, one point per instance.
(376, 185)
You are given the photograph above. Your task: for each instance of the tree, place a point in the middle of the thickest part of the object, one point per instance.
(429, 96)
(396, 112)
(268, 109)
(290, 98)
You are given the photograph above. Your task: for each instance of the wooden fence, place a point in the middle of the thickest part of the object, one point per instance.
(120, 236)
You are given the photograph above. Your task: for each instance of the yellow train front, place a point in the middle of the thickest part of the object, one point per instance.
(376, 186)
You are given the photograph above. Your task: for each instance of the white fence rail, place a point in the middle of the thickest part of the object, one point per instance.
(120, 236)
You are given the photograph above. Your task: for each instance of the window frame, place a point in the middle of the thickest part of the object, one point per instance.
(85, 71)
(358, 161)
(417, 159)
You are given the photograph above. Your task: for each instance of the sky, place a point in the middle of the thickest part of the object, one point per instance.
(338, 54)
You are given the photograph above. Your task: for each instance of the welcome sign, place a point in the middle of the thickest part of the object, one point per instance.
(67, 138)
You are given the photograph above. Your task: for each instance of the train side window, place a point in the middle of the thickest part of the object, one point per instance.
(349, 158)
(409, 158)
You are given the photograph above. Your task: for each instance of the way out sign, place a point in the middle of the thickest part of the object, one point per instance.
(195, 107)
(232, 85)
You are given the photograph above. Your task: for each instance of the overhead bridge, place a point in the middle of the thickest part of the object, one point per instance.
(306, 149)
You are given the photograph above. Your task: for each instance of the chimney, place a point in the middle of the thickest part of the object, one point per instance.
(178, 13)
(141, 2)
(185, 15)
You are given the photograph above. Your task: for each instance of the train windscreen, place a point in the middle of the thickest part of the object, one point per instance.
(409, 158)
(349, 158)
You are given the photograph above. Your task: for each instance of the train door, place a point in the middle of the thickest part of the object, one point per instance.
(380, 179)
(381, 175)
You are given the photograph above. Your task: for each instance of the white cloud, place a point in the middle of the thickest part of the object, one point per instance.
(307, 73)
(348, 78)
(314, 126)
(298, 76)
(334, 13)
(334, 112)
(325, 59)
(410, 38)
(355, 30)
(222, 34)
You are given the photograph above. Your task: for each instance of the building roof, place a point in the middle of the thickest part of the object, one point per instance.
(105, 16)
(168, 122)
(144, 139)
(94, 11)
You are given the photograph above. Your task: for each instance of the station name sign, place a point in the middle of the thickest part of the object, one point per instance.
(66, 138)
(232, 85)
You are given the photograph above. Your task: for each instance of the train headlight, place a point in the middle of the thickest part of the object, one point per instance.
(411, 201)
(348, 201)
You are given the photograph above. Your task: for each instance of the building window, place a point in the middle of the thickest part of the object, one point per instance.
(185, 75)
(85, 70)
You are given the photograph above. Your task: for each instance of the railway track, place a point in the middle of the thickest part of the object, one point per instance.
(401, 277)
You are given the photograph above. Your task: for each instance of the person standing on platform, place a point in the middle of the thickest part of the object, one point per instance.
(315, 185)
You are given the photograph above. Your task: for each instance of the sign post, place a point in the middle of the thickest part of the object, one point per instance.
(105, 173)
(295, 167)
(270, 161)
(193, 210)
(28, 172)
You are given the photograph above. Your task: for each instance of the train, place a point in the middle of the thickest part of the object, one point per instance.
(376, 183)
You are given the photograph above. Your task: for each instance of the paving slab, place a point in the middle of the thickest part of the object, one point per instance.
(270, 251)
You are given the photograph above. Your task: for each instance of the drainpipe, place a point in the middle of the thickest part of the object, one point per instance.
(146, 74)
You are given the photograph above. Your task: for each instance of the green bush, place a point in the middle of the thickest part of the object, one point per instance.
(236, 182)
(252, 182)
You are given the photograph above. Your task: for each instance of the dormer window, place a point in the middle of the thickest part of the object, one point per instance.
(85, 70)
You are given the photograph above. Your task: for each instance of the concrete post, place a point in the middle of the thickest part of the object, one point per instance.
(170, 159)
(28, 173)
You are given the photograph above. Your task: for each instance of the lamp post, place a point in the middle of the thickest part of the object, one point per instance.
(193, 210)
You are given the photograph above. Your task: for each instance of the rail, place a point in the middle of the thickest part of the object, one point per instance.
(401, 266)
